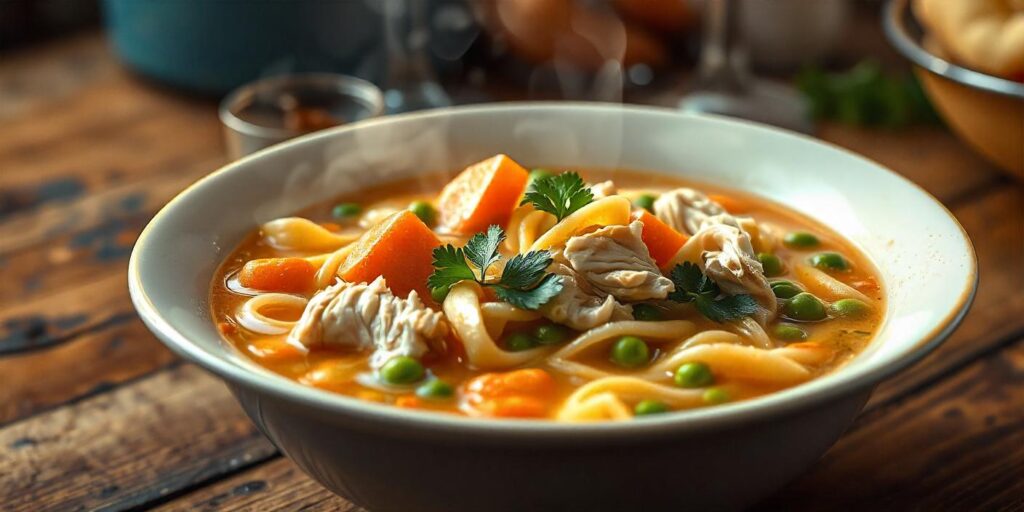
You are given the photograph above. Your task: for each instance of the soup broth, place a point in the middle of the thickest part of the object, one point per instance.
(728, 296)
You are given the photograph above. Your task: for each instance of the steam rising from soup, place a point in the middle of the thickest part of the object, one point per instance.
(572, 296)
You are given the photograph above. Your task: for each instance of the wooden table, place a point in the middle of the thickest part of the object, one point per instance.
(95, 413)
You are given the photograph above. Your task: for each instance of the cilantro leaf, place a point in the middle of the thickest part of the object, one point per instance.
(690, 280)
(482, 249)
(693, 286)
(524, 282)
(449, 268)
(532, 298)
(524, 270)
(559, 195)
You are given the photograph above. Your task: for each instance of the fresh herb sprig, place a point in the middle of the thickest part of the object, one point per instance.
(524, 282)
(559, 195)
(693, 286)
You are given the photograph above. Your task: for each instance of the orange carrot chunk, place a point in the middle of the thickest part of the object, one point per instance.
(517, 394)
(400, 248)
(286, 275)
(662, 241)
(484, 193)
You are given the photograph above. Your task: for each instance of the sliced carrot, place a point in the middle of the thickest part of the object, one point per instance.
(662, 241)
(288, 275)
(407, 402)
(274, 349)
(400, 248)
(483, 194)
(731, 204)
(516, 394)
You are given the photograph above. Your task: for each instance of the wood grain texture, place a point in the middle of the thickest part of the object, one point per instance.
(957, 446)
(131, 446)
(87, 365)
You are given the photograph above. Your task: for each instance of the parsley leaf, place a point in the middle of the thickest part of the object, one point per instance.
(523, 283)
(559, 195)
(693, 286)
(532, 298)
(449, 268)
(482, 249)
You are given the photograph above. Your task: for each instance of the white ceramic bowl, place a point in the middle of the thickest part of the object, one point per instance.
(719, 458)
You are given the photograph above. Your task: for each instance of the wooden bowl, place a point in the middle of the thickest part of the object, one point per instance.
(985, 111)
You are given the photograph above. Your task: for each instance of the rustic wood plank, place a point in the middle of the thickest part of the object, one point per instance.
(128, 447)
(275, 485)
(996, 226)
(957, 446)
(928, 155)
(86, 365)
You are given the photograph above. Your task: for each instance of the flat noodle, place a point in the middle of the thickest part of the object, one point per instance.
(533, 227)
(599, 407)
(329, 267)
(497, 314)
(575, 369)
(710, 338)
(250, 317)
(627, 389)
(736, 362)
(298, 234)
(610, 211)
(464, 312)
(807, 353)
(665, 330)
(826, 286)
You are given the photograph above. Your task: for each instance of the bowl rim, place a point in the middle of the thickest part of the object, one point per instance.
(842, 383)
(898, 14)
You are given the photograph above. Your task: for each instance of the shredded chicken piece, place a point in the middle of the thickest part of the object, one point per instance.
(727, 257)
(367, 316)
(762, 237)
(615, 260)
(604, 189)
(580, 306)
(685, 209)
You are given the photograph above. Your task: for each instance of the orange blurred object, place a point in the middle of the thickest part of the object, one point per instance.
(517, 394)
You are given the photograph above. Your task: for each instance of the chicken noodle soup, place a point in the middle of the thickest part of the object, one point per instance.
(567, 295)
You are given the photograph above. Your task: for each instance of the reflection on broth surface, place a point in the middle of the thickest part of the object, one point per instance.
(540, 295)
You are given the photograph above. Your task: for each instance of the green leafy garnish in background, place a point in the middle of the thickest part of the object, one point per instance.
(559, 195)
(865, 96)
(693, 286)
(524, 282)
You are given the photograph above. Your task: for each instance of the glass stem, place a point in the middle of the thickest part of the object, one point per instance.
(723, 60)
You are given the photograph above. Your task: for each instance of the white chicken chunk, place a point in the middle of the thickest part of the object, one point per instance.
(615, 260)
(726, 256)
(580, 306)
(604, 189)
(685, 209)
(364, 316)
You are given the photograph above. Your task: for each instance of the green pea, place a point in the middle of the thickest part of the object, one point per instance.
(800, 240)
(771, 263)
(630, 352)
(829, 261)
(806, 307)
(785, 289)
(346, 210)
(539, 173)
(646, 407)
(789, 332)
(645, 201)
(439, 293)
(646, 312)
(715, 396)
(519, 341)
(850, 308)
(402, 370)
(551, 334)
(694, 375)
(425, 211)
(435, 388)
